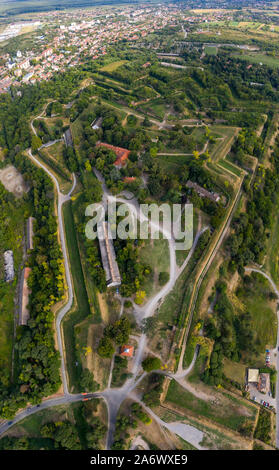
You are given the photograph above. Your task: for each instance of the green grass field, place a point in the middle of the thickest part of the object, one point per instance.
(263, 314)
(173, 162)
(155, 253)
(211, 50)
(235, 371)
(113, 66)
(230, 167)
(257, 58)
(82, 308)
(227, 410)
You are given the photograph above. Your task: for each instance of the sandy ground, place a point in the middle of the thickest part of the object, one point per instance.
(13, 181)
(103, 307)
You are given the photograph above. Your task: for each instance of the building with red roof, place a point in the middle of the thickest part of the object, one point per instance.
(129, 179)
(121, 153)
(127, 351)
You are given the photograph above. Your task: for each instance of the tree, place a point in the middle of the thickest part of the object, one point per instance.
(151, 363)
(119, 331)
(106, 348)
(163, 278)
(35, 143)
(87, 381)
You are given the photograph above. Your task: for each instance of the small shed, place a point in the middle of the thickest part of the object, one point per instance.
(264, 383)
(253, 375)
(127, 351)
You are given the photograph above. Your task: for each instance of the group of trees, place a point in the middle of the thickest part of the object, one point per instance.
(263, 428)
(133, 272)
(234, 335)
(247, 243)
(221, 329)
(121, 434)
(39, 361)
(63, 433)
(47, 133)
(153, 390)
(117, 334)
(151, 363)
(138, 412)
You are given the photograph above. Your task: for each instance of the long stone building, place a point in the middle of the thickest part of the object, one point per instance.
(109, 262)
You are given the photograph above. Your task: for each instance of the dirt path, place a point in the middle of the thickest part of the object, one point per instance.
(189, 433)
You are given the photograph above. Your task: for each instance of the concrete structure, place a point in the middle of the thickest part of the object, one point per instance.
(24, 65)
(27, 77)
(253, 375)
(108, 256)
(264, 383)
(25, 292)
(97, 123)
(68, 138)
(29, 233)
(203, 192)
(9, 266)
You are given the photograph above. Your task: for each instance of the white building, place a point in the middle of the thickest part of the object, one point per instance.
(9, 266)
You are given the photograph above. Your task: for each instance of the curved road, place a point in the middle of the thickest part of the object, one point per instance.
(61, 199)
(113, 397)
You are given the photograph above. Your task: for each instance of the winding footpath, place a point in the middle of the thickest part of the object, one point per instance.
(61, 199)
(114, 397)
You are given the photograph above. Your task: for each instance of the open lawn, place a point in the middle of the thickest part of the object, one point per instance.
(230, 167)
(223, 146)
(31, 425)
(262, 311)
(113, 66)
(227, 410)
(211, 50)
(155, 253)
(213, 438)
(81, 308)
(257, 58)
(173, 162)
(234, 371)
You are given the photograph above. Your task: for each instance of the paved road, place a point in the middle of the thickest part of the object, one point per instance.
(61, 200)
(63, 400)
(204, 271)
(113, 397)
(50, 143)
(139, 442)
(189, 433)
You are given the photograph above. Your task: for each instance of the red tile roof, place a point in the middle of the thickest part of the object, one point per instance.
(121, 154)
(129, 179)
(127, 351)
